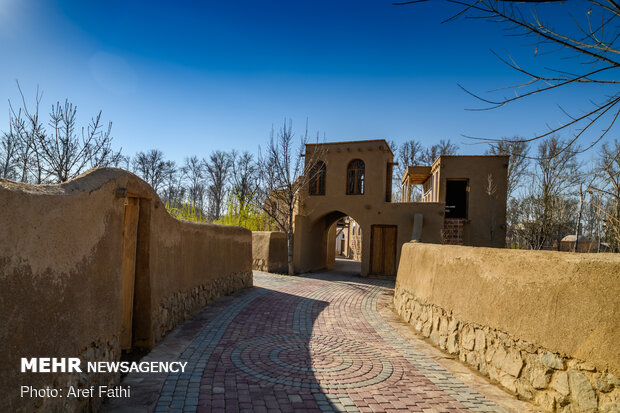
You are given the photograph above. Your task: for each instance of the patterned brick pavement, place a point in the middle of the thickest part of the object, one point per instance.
(315, 343)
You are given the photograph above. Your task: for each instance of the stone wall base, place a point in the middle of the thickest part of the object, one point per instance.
(260, 264)
(183, 304)
(553, 381)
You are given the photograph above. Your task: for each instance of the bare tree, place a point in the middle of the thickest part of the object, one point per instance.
(218, 168)
(244, 180)
(172, 191)
(518, 162)
(27, 129)
(9, 162)
(547, 211)
(152, 167)
(193, 171)
(587, 38)
(63, 152)
(444, 147)
(283, 176)
(409, 154)
(68, 154)
(605, 193)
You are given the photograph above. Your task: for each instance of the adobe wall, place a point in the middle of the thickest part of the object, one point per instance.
(60, 278)
(269, 251)
(543, 324)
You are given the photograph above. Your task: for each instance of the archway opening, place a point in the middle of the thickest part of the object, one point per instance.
(348, 245)
(337, 243)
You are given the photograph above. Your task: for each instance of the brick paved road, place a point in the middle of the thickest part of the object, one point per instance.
(308, 344)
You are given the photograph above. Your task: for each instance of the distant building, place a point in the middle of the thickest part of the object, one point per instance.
(585, 244)
(354, 179)
(349, 239)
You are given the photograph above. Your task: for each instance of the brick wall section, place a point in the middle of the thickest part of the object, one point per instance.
(453, 231)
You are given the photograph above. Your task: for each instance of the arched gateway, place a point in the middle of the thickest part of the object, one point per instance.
(355, 179)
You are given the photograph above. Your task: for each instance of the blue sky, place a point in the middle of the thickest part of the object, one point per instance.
(189, 77)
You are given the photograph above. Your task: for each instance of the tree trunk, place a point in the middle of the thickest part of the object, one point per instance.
(578, 229)
(289, 236)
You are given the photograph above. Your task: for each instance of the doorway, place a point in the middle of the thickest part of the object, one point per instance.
(383, 249)
(128, 267)
(135, 280)
(456, 198)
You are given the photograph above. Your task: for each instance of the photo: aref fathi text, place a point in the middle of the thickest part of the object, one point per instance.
(73, 391)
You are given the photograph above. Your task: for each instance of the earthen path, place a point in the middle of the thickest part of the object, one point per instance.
(316, 343)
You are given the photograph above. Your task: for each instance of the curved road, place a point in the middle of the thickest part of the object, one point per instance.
(314, 343)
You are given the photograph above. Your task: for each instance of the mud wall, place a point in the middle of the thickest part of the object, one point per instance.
(269, 251)
(61, 252)
(543, 324)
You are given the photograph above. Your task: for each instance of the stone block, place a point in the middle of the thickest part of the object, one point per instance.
(426, 329)
(436, 316)
(536, 373)
(442, 342)
(493, 372)
(480, 340)
(452, 325)
(552, 360)
(472, 358)
(582, 393)
(418, 325)
(452, 343)
(513, 363)
(547, 400)
(468, 338)
(525, 389)
(604, 382)
(498, 357)
(434, 337)
(488, 355)
(610, 402)
(482, 367)
(508, 382)
(579, 365)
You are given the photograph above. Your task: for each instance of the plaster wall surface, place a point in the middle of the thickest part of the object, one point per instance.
(60, 277)
(544, 324)
(269, 251)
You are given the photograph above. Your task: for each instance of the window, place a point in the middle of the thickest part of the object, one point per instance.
(355, 177)
(317, 179)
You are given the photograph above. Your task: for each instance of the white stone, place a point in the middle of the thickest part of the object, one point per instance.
(582, 393)
(508, 382)
(480, 340)
(552, 360)
(513, 362)
(452, 344)
(468, 338)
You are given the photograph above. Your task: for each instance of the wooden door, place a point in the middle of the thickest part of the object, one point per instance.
(383, 249)
(128, 267)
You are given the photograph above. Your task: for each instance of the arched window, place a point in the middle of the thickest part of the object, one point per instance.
(355, 177)
(317, 179)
